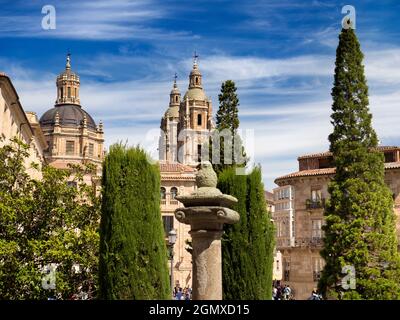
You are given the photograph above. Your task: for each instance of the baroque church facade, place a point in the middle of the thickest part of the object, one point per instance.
(65, 134)
(185, 126)
(72, 135)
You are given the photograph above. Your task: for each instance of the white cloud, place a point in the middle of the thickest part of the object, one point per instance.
(99, 20)
(284, 128)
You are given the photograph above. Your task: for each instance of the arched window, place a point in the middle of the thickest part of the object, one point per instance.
(174, 192)
(199, 119)
(197, 80)
(162, 192)
(69, 92)
(176, 99)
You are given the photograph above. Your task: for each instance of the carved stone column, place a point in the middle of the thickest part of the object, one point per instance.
(206, 211)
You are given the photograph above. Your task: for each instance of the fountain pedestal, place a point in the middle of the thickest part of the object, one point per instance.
(206, 211)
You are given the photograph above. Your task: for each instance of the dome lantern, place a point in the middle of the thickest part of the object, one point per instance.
(68, 85)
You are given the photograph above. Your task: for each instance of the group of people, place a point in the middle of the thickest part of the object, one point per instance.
(284, 292)
(182, 294)
(281, 292)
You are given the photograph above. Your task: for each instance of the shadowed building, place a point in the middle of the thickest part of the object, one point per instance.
(299, 215)
(15, 122)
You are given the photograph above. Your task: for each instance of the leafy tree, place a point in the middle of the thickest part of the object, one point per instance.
(247, 246)
(360, 228)
(133, 256)
(227, 124)
(45, 222)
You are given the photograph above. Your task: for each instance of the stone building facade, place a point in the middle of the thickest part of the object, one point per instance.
(71, 134)
(299, 215)
(15, 122)
(185, 126)
(177, 178)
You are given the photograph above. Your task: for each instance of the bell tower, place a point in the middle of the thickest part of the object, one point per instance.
(169, 126)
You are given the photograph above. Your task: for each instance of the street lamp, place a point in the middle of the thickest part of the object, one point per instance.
(171, 242)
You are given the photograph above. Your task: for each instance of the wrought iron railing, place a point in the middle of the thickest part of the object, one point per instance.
(315, 204)
(309, 242)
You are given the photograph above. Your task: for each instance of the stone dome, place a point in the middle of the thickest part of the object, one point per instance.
(172, 112)
(70, 115)
(195, 94)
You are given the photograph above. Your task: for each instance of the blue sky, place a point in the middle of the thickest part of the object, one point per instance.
(280, 54)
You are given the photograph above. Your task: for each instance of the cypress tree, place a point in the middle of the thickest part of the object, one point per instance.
(133, 256)
(247, 246)
(227, 119)
(360, 230)
(227, 114)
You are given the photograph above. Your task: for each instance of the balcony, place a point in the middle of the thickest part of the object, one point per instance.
(315, 204)
(309, 242)
(283, 242)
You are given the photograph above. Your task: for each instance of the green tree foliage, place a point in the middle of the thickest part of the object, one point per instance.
(133, 255)
(247, 246)
(46, 222)
(360, 229)
(227, 115)
(227, 123)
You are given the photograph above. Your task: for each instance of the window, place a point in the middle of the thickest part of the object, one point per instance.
(286, 269)
(91, 149)
(162, 193)
(197, 80)
(316, 195)
(293, 230)
(168, 222)
(69, 92)
(70, 147)
(316, 229)
(199, 152)
(61, 92)
(199, 119)
(174, 192)
(318, 265)
(176, 99)
(75, 93)
(389, 157)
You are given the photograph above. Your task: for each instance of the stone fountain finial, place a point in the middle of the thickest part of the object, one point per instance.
(206, 176)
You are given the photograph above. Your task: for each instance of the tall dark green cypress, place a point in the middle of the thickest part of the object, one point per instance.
(133, 255)
(247, 246)
(360, 228)
(227, 114)
(227, 118)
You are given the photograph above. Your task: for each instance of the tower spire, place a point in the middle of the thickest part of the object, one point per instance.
(175, 77)
(68, 64)
(195, 58)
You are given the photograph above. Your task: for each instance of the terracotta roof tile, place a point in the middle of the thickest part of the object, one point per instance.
(328, 153)
(326, 171)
